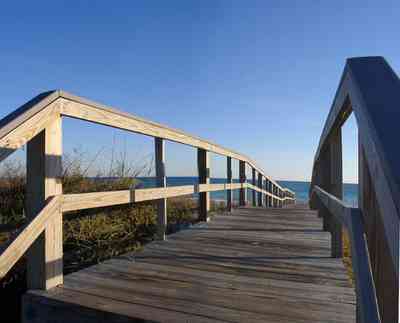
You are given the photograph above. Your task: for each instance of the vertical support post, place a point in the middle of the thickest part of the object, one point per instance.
(44, 171)
(260, 187)
(161, 180)
(253, 173)
(242, 178)
(203, 163)
(274, 193)
(381, 242)
(266, 195)
(229, 181)
(270, 190)
(336, 189)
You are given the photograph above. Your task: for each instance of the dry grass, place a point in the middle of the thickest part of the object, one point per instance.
(347, 256)
(93, 235)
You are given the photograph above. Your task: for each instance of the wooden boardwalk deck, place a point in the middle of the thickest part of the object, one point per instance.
(253, 265)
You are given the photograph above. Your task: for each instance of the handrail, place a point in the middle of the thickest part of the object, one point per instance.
(38, 124)
(81, 201)
(351, 218)
(26, 236)
(73, 106)
(370, 89)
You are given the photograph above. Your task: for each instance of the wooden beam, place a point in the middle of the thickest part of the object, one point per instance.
(253, 182)
(77, 107)
(203, 163)
(44, 170)
(260, 180)
(25, 237)
(229, 181)
(242, 179)
(161, 182)
(336, 189)
(75, 202)
(20, 134)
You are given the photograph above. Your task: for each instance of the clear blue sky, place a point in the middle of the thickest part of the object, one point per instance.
(256, 76)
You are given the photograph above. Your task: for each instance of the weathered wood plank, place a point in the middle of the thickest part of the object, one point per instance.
(253, 265)
(229, 194)
(77, 107)
(203, 165)
(19, 244)
(44, 170)
(161, 182)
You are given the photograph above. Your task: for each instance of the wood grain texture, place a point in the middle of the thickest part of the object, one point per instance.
(21, 134)
(77, 107)
(44, 170)
(229, 181)
(250, 265)
(371, 90)
(24, 238)
(260, 186)
(385, 278)
(203, 165)
(161, 180)
(352, 219)
(253, 182)
(81, 201)
(242, 180)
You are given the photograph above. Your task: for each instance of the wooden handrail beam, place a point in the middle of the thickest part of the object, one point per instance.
(351, 218)
(26, 236)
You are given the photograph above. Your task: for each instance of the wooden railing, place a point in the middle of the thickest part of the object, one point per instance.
(371, 90)
(38, 124)
(351, 219)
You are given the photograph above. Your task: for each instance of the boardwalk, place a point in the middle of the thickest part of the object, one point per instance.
(252, 265)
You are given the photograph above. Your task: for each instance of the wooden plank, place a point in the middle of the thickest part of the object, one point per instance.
(385, 278)
(266, 198)
(336, 189)
(242, 179)
(24, 238)
(235, 268)
(253, 182)
(44, 170)
(203, 164)
(371, 89)
(366, 293)
(259, 183)
(368, 309)
(229, 181)
(77, 107)
(81, 201)
(161, 182)
(18, 132)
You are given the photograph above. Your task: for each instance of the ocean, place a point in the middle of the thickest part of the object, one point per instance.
(300, 188)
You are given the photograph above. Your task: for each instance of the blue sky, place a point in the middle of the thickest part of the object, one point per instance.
(255, 76)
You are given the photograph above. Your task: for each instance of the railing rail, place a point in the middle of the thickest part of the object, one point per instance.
(370, 89)
(38, 124)
(351, 218)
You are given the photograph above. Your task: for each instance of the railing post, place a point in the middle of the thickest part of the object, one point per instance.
(203, 163)
(270, 191)
(385, 269)
(253, 173)
(266, 195)
(274, 193)
(161, 182)
(331, 178)
(229, 181)
(336, 189)
(242, 178)
(44, 171)
(260, 187)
